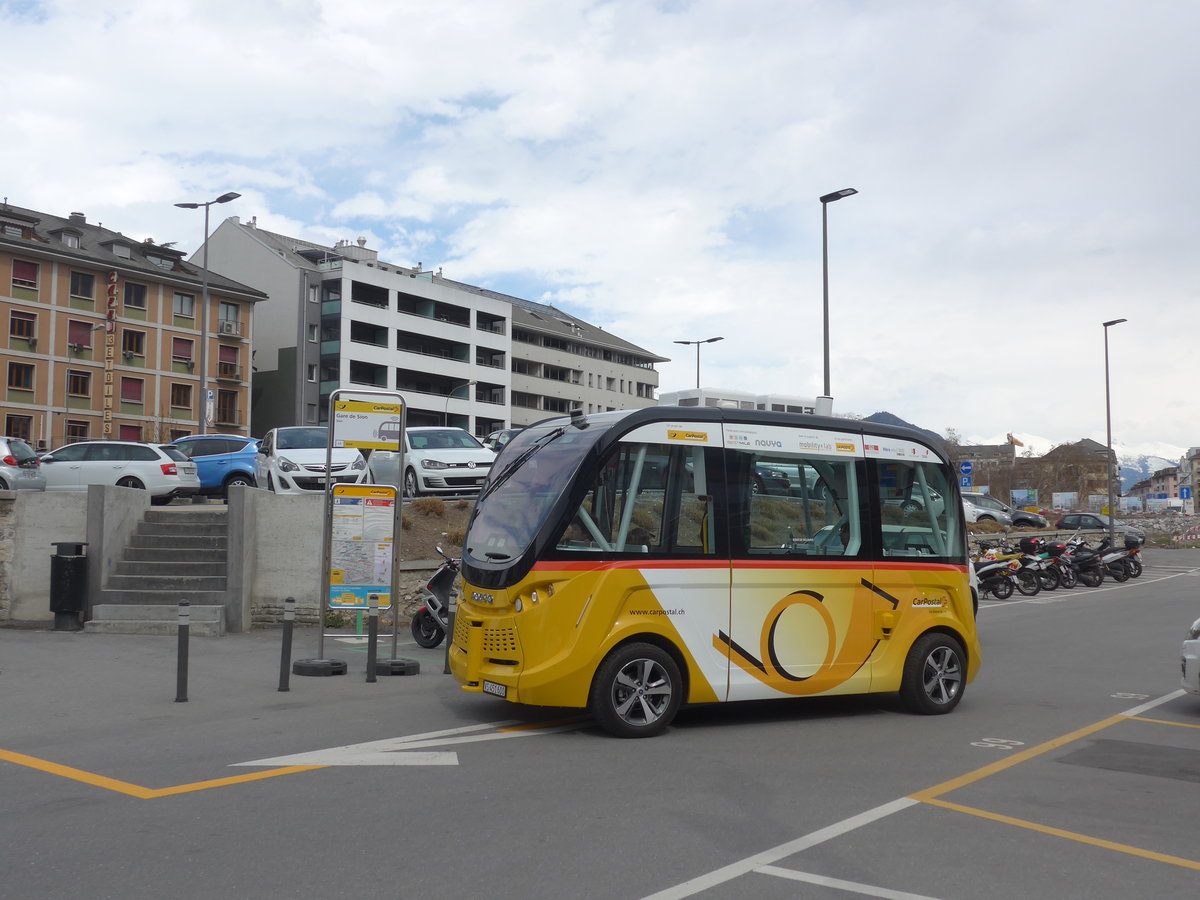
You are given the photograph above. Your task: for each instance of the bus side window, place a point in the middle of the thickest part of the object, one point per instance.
(798, 506)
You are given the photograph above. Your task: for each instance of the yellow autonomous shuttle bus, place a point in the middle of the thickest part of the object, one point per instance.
(628, 562)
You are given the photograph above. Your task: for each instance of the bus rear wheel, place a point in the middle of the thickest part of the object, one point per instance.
(637, 691)
(934, 675)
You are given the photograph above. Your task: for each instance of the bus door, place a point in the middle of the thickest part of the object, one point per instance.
(654, 517)
(920, 563)
(800, 619)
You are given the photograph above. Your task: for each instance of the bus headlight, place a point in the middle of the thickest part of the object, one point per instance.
(517, 604)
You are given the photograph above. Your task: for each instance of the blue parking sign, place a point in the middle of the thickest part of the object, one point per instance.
(965, 481)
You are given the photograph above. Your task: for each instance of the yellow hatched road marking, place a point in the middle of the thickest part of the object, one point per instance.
(931, 795)
(136, 790)
(1070, 835)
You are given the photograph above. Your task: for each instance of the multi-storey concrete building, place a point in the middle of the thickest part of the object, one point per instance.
(105, 335)
(339, 317)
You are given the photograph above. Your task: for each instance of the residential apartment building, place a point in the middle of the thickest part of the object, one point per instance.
(106, 337)
(340, 318)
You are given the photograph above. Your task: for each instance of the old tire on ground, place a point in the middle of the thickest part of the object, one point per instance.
(935, 674)
(636, 691)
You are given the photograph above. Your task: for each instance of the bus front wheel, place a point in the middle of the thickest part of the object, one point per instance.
(934, 675)
(637, 691)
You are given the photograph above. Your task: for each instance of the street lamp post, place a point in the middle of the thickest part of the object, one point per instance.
(1108, 462)
(698, 343)
(203, 417)
(825, 201)
(453, 391)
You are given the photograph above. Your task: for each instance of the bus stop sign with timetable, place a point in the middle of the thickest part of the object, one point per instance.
(366, 425)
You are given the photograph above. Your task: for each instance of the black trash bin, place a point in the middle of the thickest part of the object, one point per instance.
(68, 585)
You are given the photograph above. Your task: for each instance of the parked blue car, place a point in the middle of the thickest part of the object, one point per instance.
(222, 460)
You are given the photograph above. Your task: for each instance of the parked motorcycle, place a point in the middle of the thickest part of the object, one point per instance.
(1088, 564)
(430, 622)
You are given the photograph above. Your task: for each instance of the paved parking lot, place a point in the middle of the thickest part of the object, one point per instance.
(1070, 769)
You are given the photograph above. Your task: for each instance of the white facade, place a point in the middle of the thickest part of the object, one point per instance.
(459, 354)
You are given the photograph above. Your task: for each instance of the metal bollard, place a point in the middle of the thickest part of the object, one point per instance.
(372, 635)
(285, 655)
(181, 669)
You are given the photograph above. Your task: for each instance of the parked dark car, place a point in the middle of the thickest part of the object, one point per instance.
(222, 460)
(1098, 522)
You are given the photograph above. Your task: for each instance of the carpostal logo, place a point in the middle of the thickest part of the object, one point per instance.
(695, 437)
(844, 447)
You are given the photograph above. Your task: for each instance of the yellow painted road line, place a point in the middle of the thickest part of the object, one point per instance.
(1163, 722)
(573, 720)
(1069, 835)
(954, 784)
(136, 790)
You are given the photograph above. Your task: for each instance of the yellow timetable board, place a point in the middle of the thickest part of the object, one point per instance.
(362, 545)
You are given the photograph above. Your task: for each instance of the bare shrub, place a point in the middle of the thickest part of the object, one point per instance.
(429, 506)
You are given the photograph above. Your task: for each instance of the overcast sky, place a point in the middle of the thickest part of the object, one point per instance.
(1026, 170)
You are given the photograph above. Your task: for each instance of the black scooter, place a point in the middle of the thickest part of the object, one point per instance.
(429, 623)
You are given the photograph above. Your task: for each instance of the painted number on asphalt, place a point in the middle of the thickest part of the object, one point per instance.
(997, 744)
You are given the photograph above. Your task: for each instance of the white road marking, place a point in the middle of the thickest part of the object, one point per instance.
(398, 751)
(1146, 707)
(751, 863)
(854, 887)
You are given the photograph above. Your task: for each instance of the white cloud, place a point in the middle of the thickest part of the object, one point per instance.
(1024, 171)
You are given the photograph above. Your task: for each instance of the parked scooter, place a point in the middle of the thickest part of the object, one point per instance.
(996, 576)
(1088, 564)
(430, 622)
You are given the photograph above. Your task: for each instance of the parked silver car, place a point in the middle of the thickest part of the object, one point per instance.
(1020, 518)
(19, 469)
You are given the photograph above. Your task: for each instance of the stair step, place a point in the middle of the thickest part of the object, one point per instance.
(199, 541)
(176, 554)
(182, 528)
(141, 626)
(160, 611)
(140, 597)
(184, 514)
(165, 583)
(181, 568)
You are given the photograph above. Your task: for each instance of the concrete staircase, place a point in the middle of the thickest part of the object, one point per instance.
(177, 553)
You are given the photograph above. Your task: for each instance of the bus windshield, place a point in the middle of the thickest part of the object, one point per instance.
(526, 479)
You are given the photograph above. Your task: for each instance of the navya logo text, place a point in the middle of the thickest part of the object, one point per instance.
(762, 443)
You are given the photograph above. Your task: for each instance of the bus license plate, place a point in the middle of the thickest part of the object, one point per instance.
(490, 687)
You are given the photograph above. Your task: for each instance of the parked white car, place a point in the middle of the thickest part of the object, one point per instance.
(1191, 659)
(292, 461)
(161, 469)
(437, 460)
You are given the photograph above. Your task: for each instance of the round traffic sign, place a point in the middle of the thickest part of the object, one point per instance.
(965, 467)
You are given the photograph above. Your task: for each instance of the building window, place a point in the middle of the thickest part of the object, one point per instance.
(228, 312)
(130, 433)
(227, 362)
(121, 250)
(22, 325)
(132, 390)
(135, 295)
(312, 372)
(20, 376)
(177, 433)
(25, 274)
(184, 305)
(79, 334)
(70, 240)
(312, 334)
(83, 285)
(181, 350)
(133, 343)
(310, 413)
(227, 407)
(18, 426)
(181, 396)
(314, 293)
(76, 431)
(79, 384)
